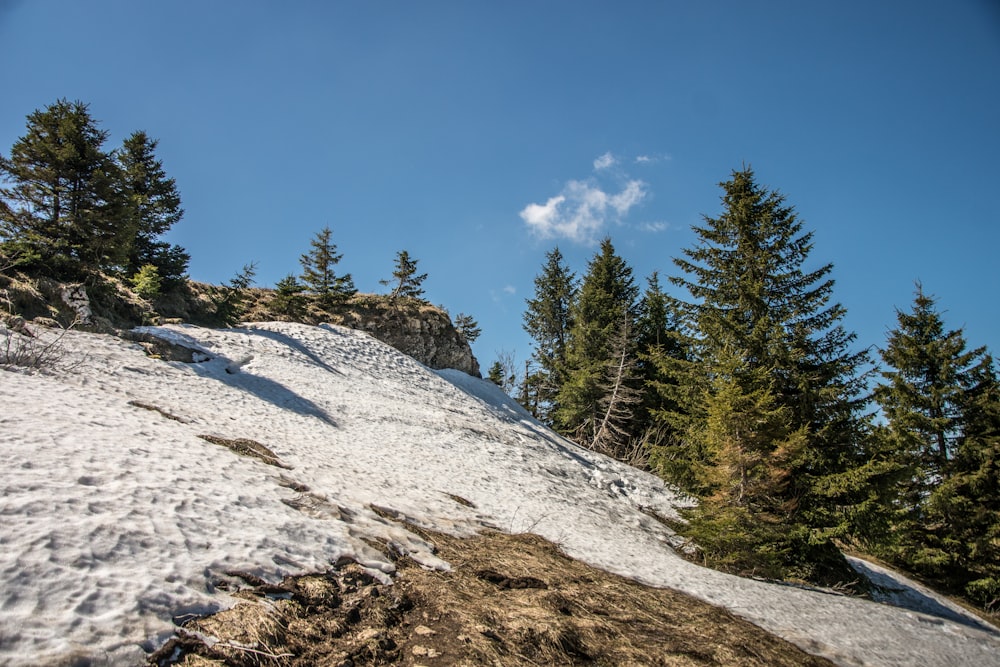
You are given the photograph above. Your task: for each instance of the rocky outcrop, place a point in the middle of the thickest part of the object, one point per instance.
(414, 327)
(418, 329)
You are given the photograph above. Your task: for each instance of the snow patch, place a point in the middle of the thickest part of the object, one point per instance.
(118, 518)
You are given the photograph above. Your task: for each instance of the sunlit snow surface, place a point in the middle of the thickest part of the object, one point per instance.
(117, 518)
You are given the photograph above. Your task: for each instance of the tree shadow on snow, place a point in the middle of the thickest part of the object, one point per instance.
(293, 344)
(216, 366)
(900, 592)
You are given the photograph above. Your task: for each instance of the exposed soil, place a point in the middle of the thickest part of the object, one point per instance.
(509, 600)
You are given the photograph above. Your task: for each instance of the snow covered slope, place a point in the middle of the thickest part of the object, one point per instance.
(117, 517)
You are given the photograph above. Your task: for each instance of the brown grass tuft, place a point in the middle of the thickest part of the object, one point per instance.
(247, 447)
(567, 613)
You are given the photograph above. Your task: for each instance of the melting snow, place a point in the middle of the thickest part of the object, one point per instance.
(117, 518)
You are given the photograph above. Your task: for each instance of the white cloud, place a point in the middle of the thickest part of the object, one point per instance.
(500, 295)
(581, 211)
(654, 227)
(632, 194)
(605, 161)
(652, 159)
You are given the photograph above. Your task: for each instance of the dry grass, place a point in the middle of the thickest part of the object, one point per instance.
(160, 411)
(247, 447)
(510, 600)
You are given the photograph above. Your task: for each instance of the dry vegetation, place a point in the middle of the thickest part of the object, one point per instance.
(509, 600)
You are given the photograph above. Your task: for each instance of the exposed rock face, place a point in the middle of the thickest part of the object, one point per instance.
(420, 330)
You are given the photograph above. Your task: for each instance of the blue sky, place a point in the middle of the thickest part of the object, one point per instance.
(477, 135)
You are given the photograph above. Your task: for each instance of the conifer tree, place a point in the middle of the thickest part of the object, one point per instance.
(318, 271)
(548, 320)
(938, 398)
(495, 374)
(152, 207)
(766, 379)
(604, 304)
(288, 299)
(929, 375)
(467, 327)
(147, 282)
(230, 299)
(964, 511)
(63, 207)
(620, 400)
(656, 340)
(405, 282)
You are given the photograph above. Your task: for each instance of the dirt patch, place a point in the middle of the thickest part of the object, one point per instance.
(509, 600)
(160, 411)
(247, 447)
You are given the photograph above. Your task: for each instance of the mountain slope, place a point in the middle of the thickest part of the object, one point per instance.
(132, 484)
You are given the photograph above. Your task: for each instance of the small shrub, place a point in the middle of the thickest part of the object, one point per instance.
(147, 282)
(985, 592)
(19, 346)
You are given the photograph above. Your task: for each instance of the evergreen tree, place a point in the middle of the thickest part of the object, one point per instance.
(938, 398)
(965, 508)
(405, 282)
(548, 321)
(620, 400)
(467, 327)
(147, 282)
(656, 340)
(605, 304)
(63, 208)
(230, 300)
(288, 299)
(496, 374)
(318, 271)
(929, 375)
(152, 207)
(767, 397)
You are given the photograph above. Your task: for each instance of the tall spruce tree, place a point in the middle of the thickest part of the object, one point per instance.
(766, 400)
(656, 339)
(318, 273)
(929, 374)
(63, 207)
(153, 206)
(938, 398)
(605, 304)
(548, 320)
(964, 511)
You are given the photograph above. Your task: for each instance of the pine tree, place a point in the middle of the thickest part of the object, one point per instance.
(928, 377)
(288, 299)
(657, 339)
(764, 347)
(605, 303)
(965, 508)
(938, 399)
(230, 299)
(147, 282)
(548, 320)
(467, 327)
(496, 374)
(405, 282)
(152, 207)
(318, 271)
(63, 207)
